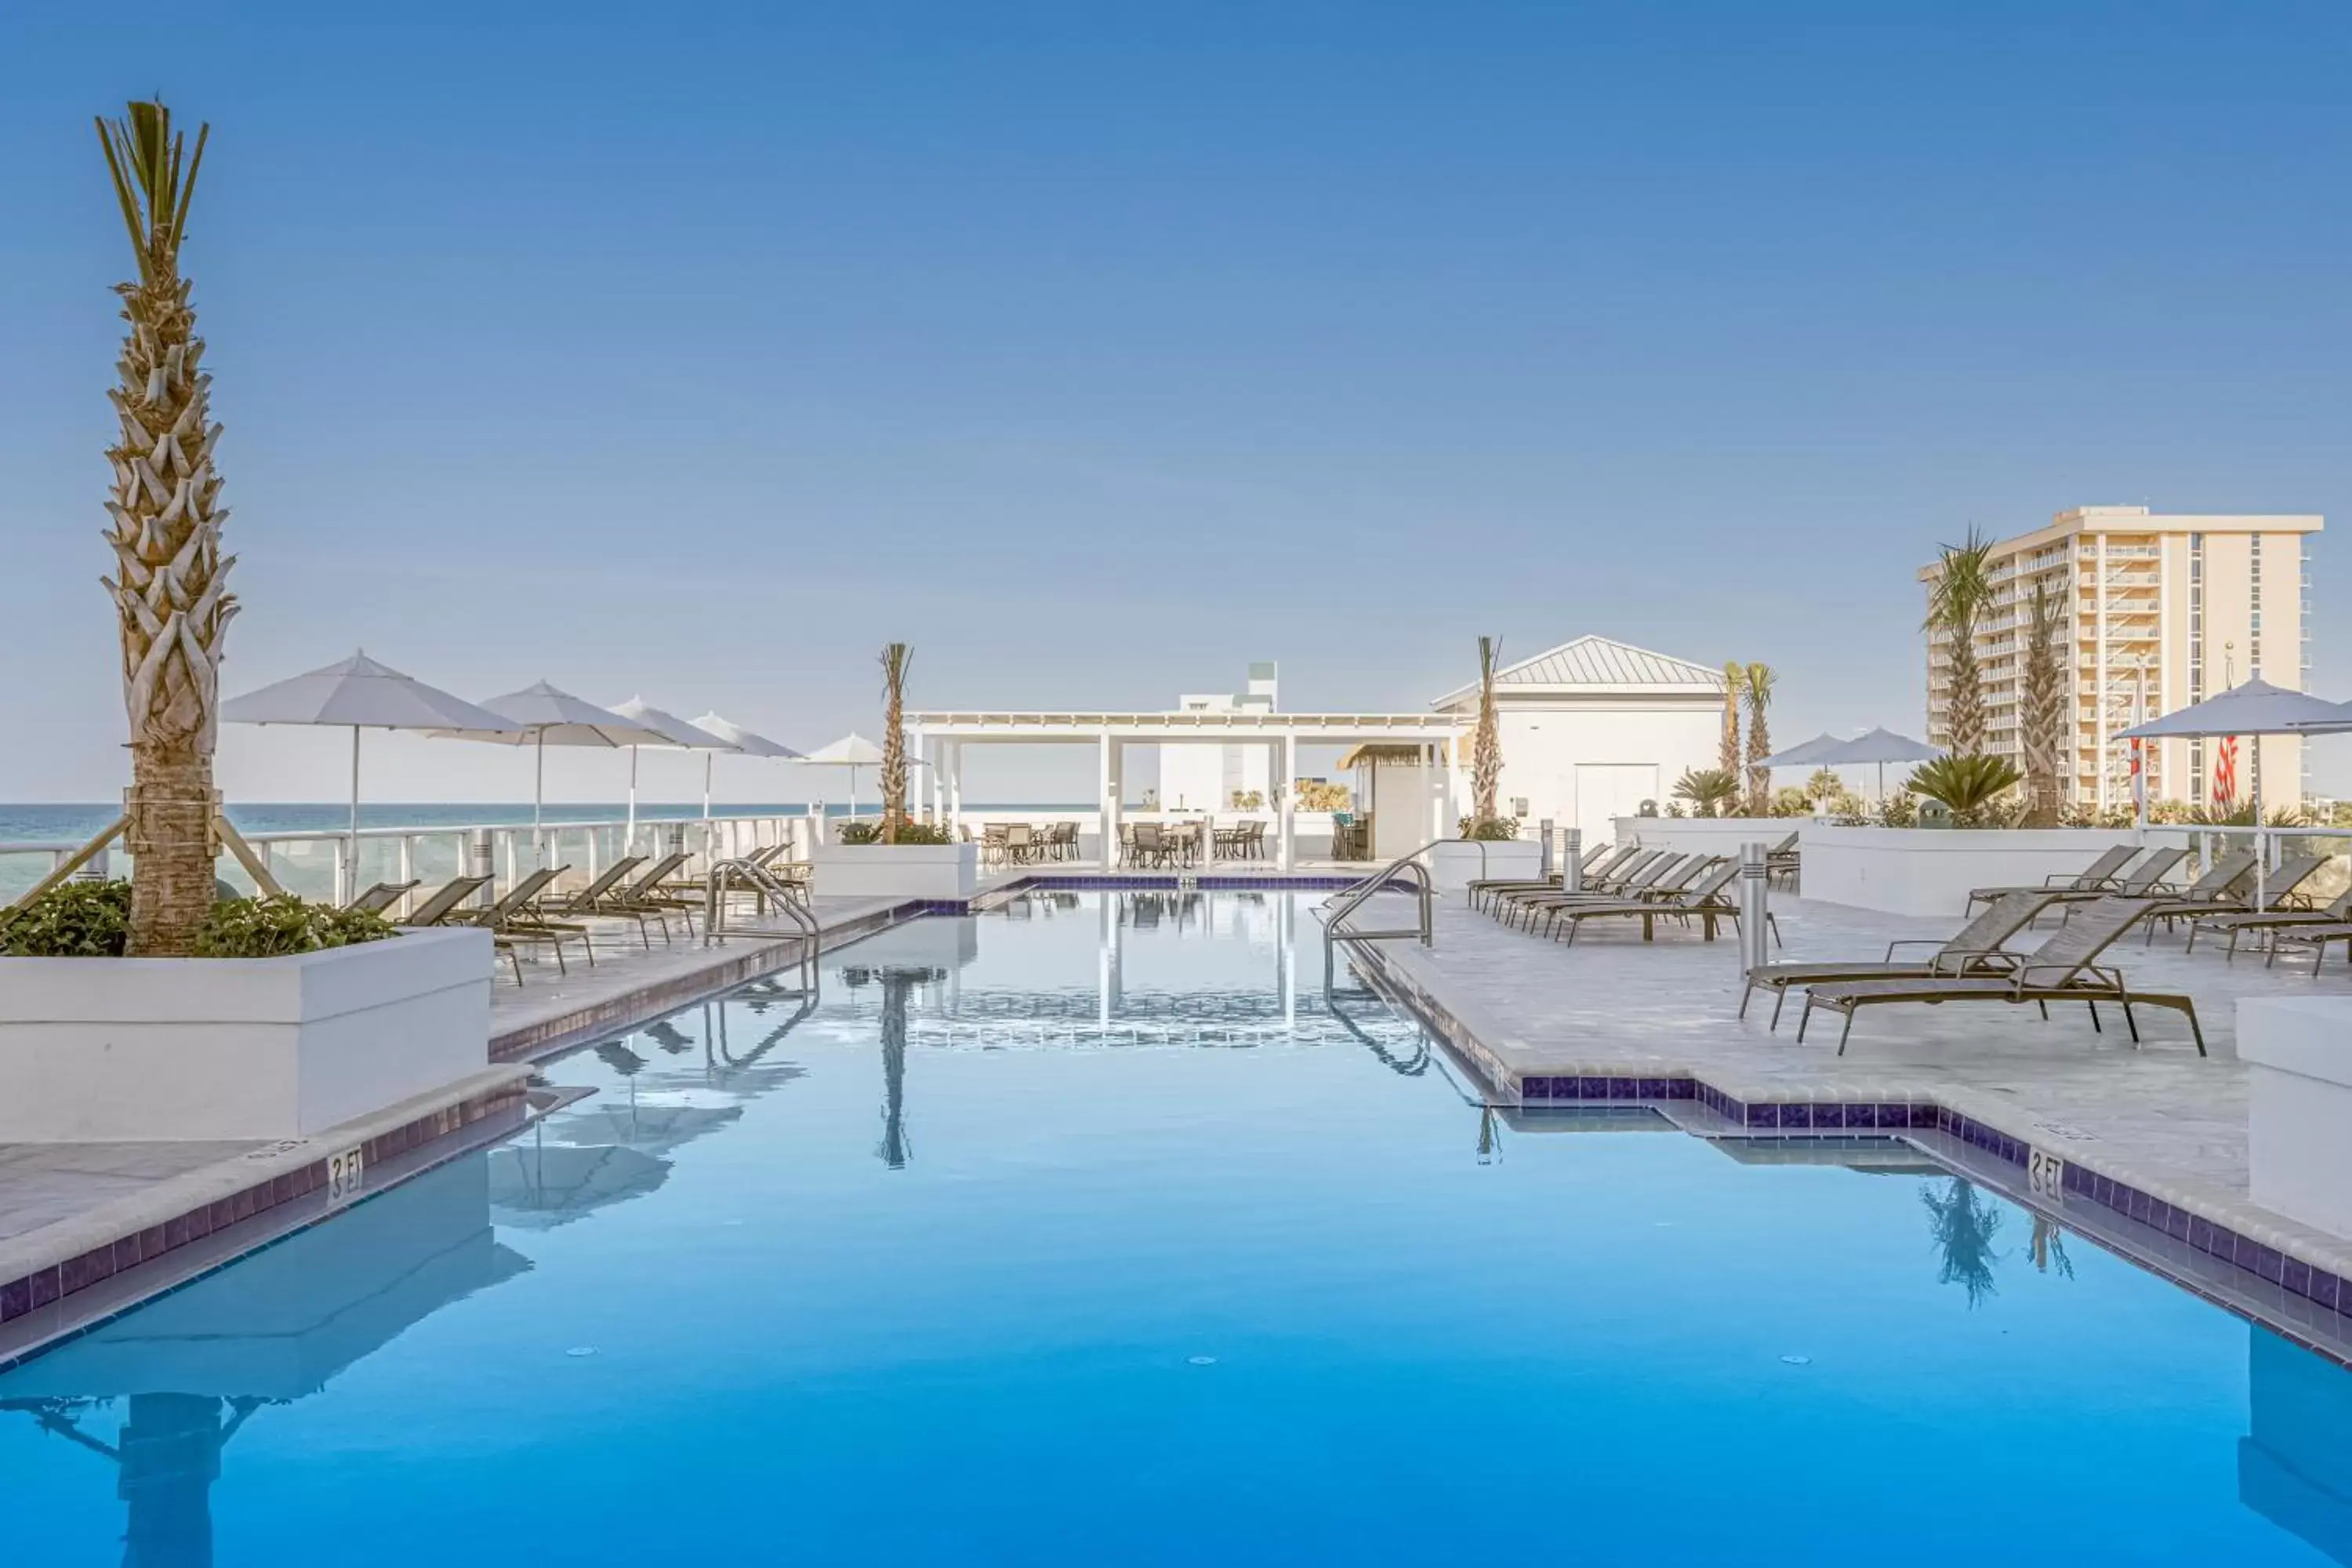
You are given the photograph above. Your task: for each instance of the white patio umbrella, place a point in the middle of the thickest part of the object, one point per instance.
(357, 693)
(2253, 710)
(853, 751)
(748, 742)
(542, 716)
(1881, 746)
(682, 736)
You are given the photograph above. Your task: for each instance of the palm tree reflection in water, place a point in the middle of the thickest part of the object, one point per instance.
(897, 987)
(1963, 1225)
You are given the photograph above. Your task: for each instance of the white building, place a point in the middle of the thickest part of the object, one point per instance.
(1591, 730)
(1207, 777)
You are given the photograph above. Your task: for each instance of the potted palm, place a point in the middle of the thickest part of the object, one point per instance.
(1490, 845)
(897, 857)
(151, 1010)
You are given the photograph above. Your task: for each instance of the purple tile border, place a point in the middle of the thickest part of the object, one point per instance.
(44, 1287)
(2266, 1264)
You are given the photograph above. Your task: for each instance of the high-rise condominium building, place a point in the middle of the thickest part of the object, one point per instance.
(2154, 613)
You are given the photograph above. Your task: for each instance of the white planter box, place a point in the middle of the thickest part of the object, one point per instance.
(1458, 862)
(102, 1049)
(898, 871)
(1930, 870)
(2299, 1106)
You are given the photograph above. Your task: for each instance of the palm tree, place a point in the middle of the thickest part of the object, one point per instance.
(1968, 785)
(170, 583)
(2041, 716)
(896, 659)
(1709, 790)
(1486, 749)
(1726, 753)
(1759, 690)
(1963, 1225)
(1961, 592)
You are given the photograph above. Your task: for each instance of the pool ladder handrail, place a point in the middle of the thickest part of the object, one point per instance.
(1336, 909)
(788, 896)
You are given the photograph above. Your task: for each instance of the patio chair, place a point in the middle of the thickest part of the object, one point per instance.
(2099, 874)
(1255, 844)
(1988, 933)
(1065, 841)
(2064, 968)
(379, 897)
(1147, 847)
(440, 908)
(1704, 899)
(1020, 842)
(2216, 893)
(1612, 876)
(2238, 923)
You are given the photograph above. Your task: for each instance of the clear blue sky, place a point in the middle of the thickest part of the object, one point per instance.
(699, 350)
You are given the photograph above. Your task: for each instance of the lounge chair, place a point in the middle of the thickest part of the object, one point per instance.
(516, 919)
(2216, 893)
(588, 900)
(2238, 923)
(379, 897)
(1661, 877)
(441, 907)
(2315, 936)
(648, 896)
(1597, 862)
(2145, 879)
(1618, 876)
(1704, 899)
(2098, 875)
(1984, 937)
(2062, 969)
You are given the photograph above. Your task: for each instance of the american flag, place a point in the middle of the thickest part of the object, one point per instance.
(2225, 773)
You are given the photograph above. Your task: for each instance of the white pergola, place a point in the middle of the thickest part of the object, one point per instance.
(940, 737)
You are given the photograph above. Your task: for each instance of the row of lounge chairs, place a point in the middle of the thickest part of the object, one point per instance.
(2221, 900)
(1622, 884)
(527, 914)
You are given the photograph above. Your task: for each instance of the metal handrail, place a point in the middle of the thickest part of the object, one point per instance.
(1335, 910)
(783, 894)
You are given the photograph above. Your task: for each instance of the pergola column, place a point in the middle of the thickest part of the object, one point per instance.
(1108, 797)
(1286, 771)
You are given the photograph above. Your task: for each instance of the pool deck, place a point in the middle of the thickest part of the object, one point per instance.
(1614, 1017)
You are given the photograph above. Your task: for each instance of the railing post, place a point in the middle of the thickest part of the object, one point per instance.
(1754, 914)
(1571, 861)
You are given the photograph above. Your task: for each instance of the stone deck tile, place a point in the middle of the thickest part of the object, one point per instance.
(1614, 1004)
(42, 1184)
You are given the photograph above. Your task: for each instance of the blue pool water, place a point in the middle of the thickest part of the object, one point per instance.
(1083, 1233)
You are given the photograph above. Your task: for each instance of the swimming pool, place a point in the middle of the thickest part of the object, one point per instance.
(1083, 1232)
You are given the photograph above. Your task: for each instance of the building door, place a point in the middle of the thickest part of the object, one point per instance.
(1604, 791)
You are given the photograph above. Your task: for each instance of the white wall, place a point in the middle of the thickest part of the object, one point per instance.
(1930, 871)
(1583, 766)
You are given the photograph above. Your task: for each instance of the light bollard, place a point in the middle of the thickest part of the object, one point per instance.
(1754, 916)
(1544, 838)
(1571, 861)
(482, 860)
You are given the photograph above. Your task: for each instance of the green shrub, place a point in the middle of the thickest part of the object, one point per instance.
(1970, 786)
(909, 832)
(1710, 791)
(73, 920)
(1492, 829)
(270, 928)
(92, 919)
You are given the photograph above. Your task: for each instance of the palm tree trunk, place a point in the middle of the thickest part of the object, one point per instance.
(170, 583)
(1487, 752)
(1727, 755)
(896, 657)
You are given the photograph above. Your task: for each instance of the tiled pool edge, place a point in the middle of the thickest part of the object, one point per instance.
(2303, 1267)
(293, 1185)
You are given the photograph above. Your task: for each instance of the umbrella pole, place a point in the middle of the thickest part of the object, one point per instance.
(538, 800)
(710, 760)
(2262, 850)
(351, 845)
(630, 842)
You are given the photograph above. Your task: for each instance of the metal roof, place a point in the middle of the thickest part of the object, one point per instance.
(1598, 664)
